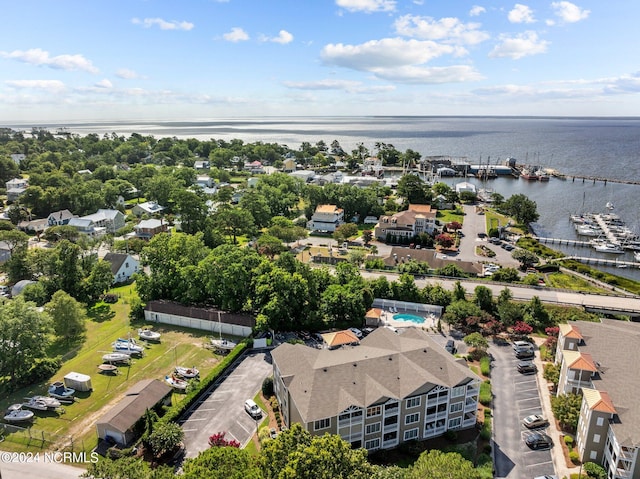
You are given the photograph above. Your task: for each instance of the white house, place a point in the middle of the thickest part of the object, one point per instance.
(326, 218)
(112, 220)
(15, 188)
(122, 266)
(59, 218)
(147, 208)
(204, 181)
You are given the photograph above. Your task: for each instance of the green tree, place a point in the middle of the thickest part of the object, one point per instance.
(17, 266)
(24, 336)
(526, 258)
(536, 314)
(566, 409)
(222, 463)
(269, 245)
(342, 306)
(435, 464)
(483, 297)
(234, 222)
(345, 231)
(458, 311)
(68, 316)
(551, 373)
(98, 282)
(367, 236)
(506, 275)
(126, 468)
(459, 293)
(166, 436)
(521, 208)
(192, 208)
(413, 189)
(477, 341)
(57, 233)
(255, 203)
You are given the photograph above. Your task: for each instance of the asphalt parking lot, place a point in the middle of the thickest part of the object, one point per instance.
(515, 397)
(223, 410)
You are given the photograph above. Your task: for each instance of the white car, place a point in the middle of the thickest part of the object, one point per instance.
(357, 332)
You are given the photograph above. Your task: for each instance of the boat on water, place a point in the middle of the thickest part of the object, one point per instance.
(608, 248)
(636, 255)
(117, 357)
(528, 174)
(186, 373)
(541, 175)
(41, 403)
(609, 205)
(15, 413)
(148, 335)
(60, 391)
(176, 382)
(588, 230)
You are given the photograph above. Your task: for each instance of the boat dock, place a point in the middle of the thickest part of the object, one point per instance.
(562, 241)
(593, 179)
(605, 262)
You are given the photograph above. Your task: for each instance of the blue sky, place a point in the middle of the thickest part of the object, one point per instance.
(202, 59)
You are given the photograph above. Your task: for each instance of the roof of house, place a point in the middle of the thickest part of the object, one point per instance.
(570, 331)
(116, 260)
(141, 396)
(429, 256)
(330, 209)
(340, 338)
(150, 207)
(149, 224)
(81, 222)
(374, 313)
(598, 400)
(579, 360)
(613, 345)
(420, 208)
(61, 215)
(385, 365)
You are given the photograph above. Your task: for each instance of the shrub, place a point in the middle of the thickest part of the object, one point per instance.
(595, 470)
(110, 298)
(451, 435)
(485, 366)
(574, 457)
(267, 387)
(485, 433)
(485, 393)
(568, 440)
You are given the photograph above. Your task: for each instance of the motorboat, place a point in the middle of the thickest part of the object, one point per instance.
(608, 248)
(51, 402)
(588, 230)
(176, 382)
(108, 368)
(148, 335)
(128, 346)
(60, 391)
(117, 357)
(186, 373)
(15, 413)
(609, 205)
(223, 344)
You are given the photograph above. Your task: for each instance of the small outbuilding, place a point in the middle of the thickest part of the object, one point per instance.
(77, 381)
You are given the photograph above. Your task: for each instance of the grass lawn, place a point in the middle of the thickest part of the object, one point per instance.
(178, 346)
(571, 282)
(495, 220)
(447, 216)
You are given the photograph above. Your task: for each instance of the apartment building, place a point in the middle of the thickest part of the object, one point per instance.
(600, 361)
(409, 223)
(388, 389)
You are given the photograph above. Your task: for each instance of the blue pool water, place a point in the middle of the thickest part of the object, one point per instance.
(409, 317)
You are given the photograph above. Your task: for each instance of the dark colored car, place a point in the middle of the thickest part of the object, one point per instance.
(527, 367)
(525, 354)
(538, 440)
(451, 346)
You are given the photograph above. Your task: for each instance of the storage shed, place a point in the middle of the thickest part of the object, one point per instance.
(77, 381)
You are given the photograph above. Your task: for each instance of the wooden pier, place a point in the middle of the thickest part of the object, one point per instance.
(605, 262)
(561, 241)
(604, 180)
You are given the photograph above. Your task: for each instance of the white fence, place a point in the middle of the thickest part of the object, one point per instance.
(214, 327)
(405, 306)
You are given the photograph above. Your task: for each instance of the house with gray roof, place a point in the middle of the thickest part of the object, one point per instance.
(600, 362)
(385, 390)
(59, 218)
(123, 266)
(147, 208)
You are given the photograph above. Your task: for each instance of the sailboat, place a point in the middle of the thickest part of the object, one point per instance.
(220, 343)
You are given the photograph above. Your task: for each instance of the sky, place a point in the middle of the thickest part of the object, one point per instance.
(80, 60)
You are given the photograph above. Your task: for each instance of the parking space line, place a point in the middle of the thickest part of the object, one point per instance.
(535, 388)
(190, 430)
(539, 463)
(528, 399)
(196, 419)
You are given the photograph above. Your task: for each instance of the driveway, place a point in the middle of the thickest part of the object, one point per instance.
(515, 396)
(223, 410)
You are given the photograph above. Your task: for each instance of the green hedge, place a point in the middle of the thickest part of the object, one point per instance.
(174, 412)
(485, 393)
(485, 366)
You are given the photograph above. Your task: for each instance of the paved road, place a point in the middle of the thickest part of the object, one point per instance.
(51, 467)
(515, 396)
(223, 410)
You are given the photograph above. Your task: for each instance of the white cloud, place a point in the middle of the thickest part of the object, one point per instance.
(476, 10)
(385, 53)
(51, 86)
(521, 14)
(105, 83)
(449, 29)
(568, 12)
(522, 45)
(283, 38)
(163, 24)
(430, 75)
(367, 6)
(39, 57)
(127, 74)
(349, 86)
(236, 34)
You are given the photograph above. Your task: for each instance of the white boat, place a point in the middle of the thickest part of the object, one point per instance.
(148, 335)
(60, 391)
(41, 403)
(636, 255)
(588, 230)
(186, 373)
(118, 357)
(609, 205)
(128, 346)
(223, 344)
(608, 248)
(175, 382)
(15, 413)
(108, 368)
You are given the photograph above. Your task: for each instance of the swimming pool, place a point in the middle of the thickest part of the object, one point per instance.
(409, 317)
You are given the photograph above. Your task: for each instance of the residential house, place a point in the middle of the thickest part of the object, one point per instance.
(118, 424)
(388, 389)
(147, 229)
(147, 208)
(99, 223)
(5, 252)
(59, 218)
(87, 227)
(123, 266)
(409, 223)
(600, 361)
(289, 165)
(326, 218)
(202, 164)
(18, 157)
(254, 167)
(435, 260)
(34, 226)
(204, 181)
(440, 202)
(15, 188)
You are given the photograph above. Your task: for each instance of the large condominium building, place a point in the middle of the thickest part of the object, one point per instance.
(600, 360)
(409, 223)
(388, 389)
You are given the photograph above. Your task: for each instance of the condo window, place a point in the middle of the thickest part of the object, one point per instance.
(322, 424)
(411, 434)
(374, 411)
(373, 444)
(411, 418)
(413, 402)
(373, 428)
(455, 422)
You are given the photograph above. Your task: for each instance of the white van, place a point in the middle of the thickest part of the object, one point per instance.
(252, 409)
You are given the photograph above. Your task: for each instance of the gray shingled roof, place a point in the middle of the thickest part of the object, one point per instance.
(613, 345)
(322, 382)
(116, 260)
